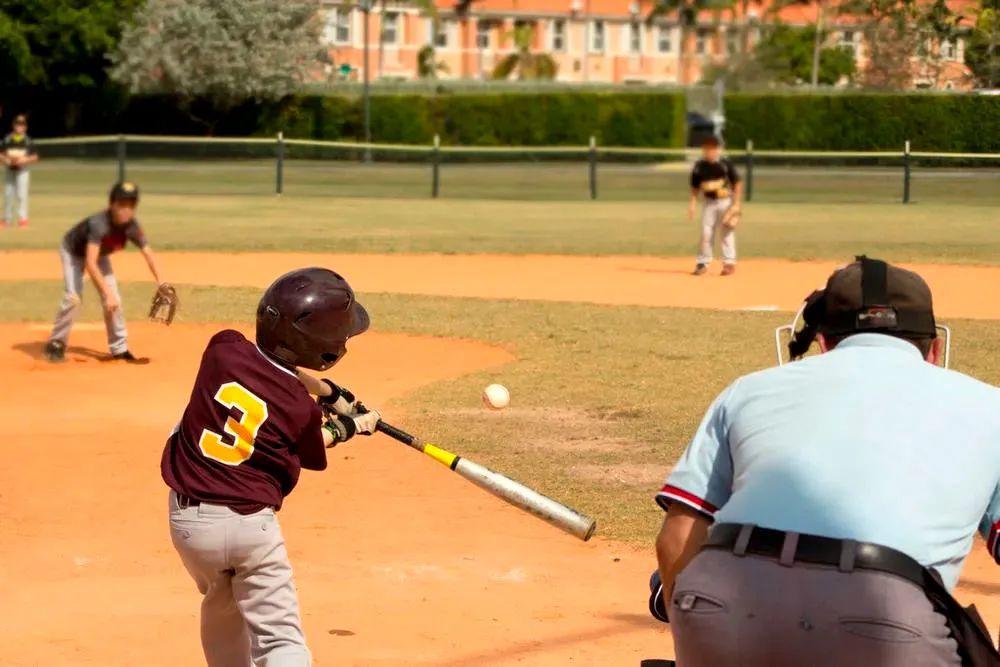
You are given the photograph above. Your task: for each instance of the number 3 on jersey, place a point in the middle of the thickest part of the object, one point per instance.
(243, 432)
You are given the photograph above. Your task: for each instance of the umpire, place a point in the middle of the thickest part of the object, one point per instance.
(823, 510)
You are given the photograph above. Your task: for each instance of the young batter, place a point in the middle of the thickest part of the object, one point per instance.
(87, 248)
(249, 427)
(716, 180)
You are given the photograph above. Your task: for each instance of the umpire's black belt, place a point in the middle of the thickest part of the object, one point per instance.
(790, 548)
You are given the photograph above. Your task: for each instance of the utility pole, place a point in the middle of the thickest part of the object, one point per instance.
(366, 8)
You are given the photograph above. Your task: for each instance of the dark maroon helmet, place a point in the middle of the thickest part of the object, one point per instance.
(305, 318)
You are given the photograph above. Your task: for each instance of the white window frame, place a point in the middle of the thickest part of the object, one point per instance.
(561, 33)
(701, 39)
(732, 42)
(849, 40)
(598, 38)
(632, 30)
(664, 33)
(950, 45)
(483, 29)
(442, 38)
(338, 19)
(396, 27)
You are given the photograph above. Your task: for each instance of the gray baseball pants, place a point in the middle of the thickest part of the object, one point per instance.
(15, 186)
(73, 270)
(250, 610)
(750, 610)
(711, 226)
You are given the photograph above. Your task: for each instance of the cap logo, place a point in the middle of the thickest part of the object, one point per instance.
(877, 317)
(128, 187)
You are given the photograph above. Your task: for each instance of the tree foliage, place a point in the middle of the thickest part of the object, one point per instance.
(787, 52)
(982, 48)
(223, 52)
(528, 65)
(58, 44)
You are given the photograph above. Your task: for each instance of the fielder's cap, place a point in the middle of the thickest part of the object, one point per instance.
(711, 141)
(871, 295)
(124, 191)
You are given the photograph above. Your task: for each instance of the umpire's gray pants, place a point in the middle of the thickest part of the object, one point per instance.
(15, 186)
(711, 226)
(73, 270)
(749, 610)
(250, 610)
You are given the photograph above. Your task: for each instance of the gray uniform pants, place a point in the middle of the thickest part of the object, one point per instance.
(250, 610)
(15, 186)
(750, 610)
(711, 226)
(73, 270)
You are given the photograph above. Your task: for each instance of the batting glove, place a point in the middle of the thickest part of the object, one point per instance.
(340, 400)
(344, 427)
(657, 606)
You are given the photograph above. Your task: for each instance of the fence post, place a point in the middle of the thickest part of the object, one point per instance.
(749, 180)
(436, 167)
(121, 158)
(593, 167)
(279, 173)
(906, 172)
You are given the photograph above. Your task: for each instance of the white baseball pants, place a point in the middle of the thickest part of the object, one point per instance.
(250, 610)
(73, 270)
(711, 226)
(15, 186)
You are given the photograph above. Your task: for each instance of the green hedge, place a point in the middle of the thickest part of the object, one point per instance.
(953, 123)
(490, 119)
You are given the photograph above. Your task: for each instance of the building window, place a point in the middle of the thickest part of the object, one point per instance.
(848, 40)
(664, 39)
(558, 34)
(390, 27)
(483, 34)
(440, 38)
(701, 42)
(597, 36)
(949, 49)
(337, 29)
(732, 42)
(634, 38)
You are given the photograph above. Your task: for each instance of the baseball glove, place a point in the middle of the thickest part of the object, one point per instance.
(731, 217)
(164, 304)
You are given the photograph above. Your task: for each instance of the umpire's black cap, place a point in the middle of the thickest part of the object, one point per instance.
(871, 295)
(124, 191)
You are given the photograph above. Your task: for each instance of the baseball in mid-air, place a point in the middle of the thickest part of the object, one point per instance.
(496, 397)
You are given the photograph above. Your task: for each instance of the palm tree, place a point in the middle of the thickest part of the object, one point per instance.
(530, 66)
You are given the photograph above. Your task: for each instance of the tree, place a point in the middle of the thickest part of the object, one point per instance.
(892, 38)
(787, 52)
(58, 45)
(529, 66)
(937, 25)
(982, 47)
(428, 66)
(216, 54)
(687, 18)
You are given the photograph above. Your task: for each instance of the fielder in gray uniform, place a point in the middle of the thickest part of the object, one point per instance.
(17, 154)
(716, 180)
(87, 248)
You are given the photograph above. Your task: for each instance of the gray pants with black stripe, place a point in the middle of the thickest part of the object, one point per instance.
(755, 611)
(250, 609)
(73, 270)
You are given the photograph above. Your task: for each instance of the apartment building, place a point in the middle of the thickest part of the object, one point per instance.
(592, 41)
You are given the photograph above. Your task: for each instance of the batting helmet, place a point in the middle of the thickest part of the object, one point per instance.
(306, 316)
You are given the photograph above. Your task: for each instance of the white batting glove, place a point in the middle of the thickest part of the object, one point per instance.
(343, 427)
(340, 400)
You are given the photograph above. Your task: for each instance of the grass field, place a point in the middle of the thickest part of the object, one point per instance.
(523, 208)
(605, 398)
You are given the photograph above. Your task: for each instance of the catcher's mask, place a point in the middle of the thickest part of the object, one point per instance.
(306, 316)
(868, 296)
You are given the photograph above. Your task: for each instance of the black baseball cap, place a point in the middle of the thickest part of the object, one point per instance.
(870, 295)
(124, 191)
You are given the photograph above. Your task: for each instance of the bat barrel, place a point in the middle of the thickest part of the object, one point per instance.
(529, 500)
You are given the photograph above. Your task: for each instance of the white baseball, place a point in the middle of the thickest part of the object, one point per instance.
(496, 397)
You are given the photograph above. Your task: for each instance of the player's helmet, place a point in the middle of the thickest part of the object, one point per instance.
(305, 318)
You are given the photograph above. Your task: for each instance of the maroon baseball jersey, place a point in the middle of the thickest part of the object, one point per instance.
(248, 429)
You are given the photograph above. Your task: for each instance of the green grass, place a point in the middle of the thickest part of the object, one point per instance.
(604, 398)
(523, 208)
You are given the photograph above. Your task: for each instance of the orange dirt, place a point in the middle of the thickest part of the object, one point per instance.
(398, 561)
(761, 284)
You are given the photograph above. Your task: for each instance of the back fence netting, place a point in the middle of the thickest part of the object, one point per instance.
(306, 168)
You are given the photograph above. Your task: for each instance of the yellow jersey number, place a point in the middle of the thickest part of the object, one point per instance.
(243, 431)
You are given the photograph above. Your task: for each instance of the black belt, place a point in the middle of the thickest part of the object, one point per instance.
(845, 555)
(186, 501)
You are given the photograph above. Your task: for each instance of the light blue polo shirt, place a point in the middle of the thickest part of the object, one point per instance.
(866, 442)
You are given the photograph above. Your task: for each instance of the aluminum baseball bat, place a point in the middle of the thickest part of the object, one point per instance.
(501, 486)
